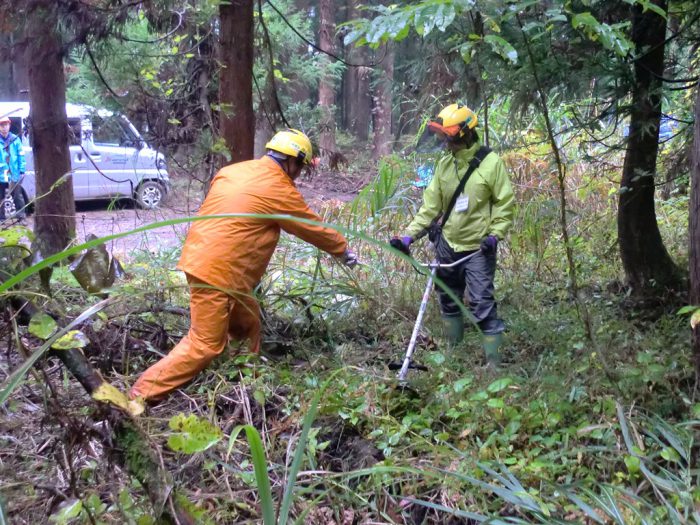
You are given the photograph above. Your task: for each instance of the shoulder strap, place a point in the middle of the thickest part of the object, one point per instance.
(473, 164)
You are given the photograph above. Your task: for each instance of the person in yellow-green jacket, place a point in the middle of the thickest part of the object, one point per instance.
(481, 217)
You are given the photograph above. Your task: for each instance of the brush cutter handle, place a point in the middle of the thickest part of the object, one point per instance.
(436, 264)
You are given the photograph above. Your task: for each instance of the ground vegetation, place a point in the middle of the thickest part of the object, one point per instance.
(594, 414)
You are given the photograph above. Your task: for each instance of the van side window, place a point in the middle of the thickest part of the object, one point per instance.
(108, 131)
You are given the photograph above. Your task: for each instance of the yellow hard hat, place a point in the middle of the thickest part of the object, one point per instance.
(292, 142)
(453, 120)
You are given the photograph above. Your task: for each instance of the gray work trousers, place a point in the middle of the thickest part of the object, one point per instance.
(476, 275)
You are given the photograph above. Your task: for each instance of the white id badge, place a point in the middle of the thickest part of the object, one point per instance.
(462, 204)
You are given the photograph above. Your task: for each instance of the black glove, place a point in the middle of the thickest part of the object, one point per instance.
(489, 244)
(402, 244)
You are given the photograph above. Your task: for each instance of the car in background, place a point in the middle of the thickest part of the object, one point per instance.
(109, 158)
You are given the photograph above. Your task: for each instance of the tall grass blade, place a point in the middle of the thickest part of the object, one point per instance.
(585, 508)
(262, 478)
(453, 512)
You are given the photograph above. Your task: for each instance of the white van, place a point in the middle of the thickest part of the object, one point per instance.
(109, 158)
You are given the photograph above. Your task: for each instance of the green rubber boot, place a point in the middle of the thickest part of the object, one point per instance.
(492, 343)
(453, 329)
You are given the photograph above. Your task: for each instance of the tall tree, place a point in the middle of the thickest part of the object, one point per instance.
(357, 99)
(646, 262)
(326, 87)
(54, 224)
(694, 228)
(237, 120)
(383, 103)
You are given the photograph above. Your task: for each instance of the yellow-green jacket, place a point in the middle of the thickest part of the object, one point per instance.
(490, 206)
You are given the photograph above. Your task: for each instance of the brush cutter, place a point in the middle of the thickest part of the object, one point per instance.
(408, 363)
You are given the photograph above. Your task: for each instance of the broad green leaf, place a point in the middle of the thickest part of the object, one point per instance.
(581, 20)
(42, 325)
(691, 308)
(496, 403)
(73, 339)
(466, 51)
(17, 236)
(501, 47)
(462, 384)
(670, 454)
(611, 37)
(193, 434)
(632, 463)
(479, 396)
(499, 385)
(259, 396)
(68, 510)
(648, 5)
(436, 358)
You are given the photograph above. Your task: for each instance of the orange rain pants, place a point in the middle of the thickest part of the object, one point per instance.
(216, 318)
(224, 258)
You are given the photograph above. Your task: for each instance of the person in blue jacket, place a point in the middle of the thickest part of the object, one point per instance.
(12, 168)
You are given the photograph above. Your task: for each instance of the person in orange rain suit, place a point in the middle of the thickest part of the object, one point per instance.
(224, 259)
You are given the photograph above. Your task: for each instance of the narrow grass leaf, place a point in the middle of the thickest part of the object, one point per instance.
(262, 478)
(453, 512)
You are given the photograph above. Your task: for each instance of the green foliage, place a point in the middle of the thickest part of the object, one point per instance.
(379, 194)
(393, 22)
(192, 434)
(611, 37)
(70, 340)
(42, 325)
(68, 511)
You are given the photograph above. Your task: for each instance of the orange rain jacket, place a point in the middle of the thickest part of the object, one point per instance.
(224, 259)
(233, 253)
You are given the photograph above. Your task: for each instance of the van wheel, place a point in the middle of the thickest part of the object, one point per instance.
(29, 205)
(150, 194)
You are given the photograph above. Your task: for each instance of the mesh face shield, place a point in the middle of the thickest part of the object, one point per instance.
(445, 132)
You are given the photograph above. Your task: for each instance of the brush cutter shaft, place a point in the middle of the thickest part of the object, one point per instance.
(421, 311)
(416, 328)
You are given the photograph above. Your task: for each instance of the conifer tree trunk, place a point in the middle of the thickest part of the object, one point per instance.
(694, 228)
(326, 89)
(646, 262)
(383, 103)
(356, 94)
(54, 223)
(237, 121)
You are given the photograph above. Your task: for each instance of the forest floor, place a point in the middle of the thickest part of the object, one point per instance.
(545, 439)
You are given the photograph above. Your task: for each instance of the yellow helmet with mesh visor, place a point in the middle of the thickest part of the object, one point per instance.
(453, 121)
(293, 143)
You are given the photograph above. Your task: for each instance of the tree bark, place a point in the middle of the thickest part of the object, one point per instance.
(383, 105)
(237, 120)
(646, 262)
(694, 228)
(326, 87)
(54, 224)
(357, 99)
